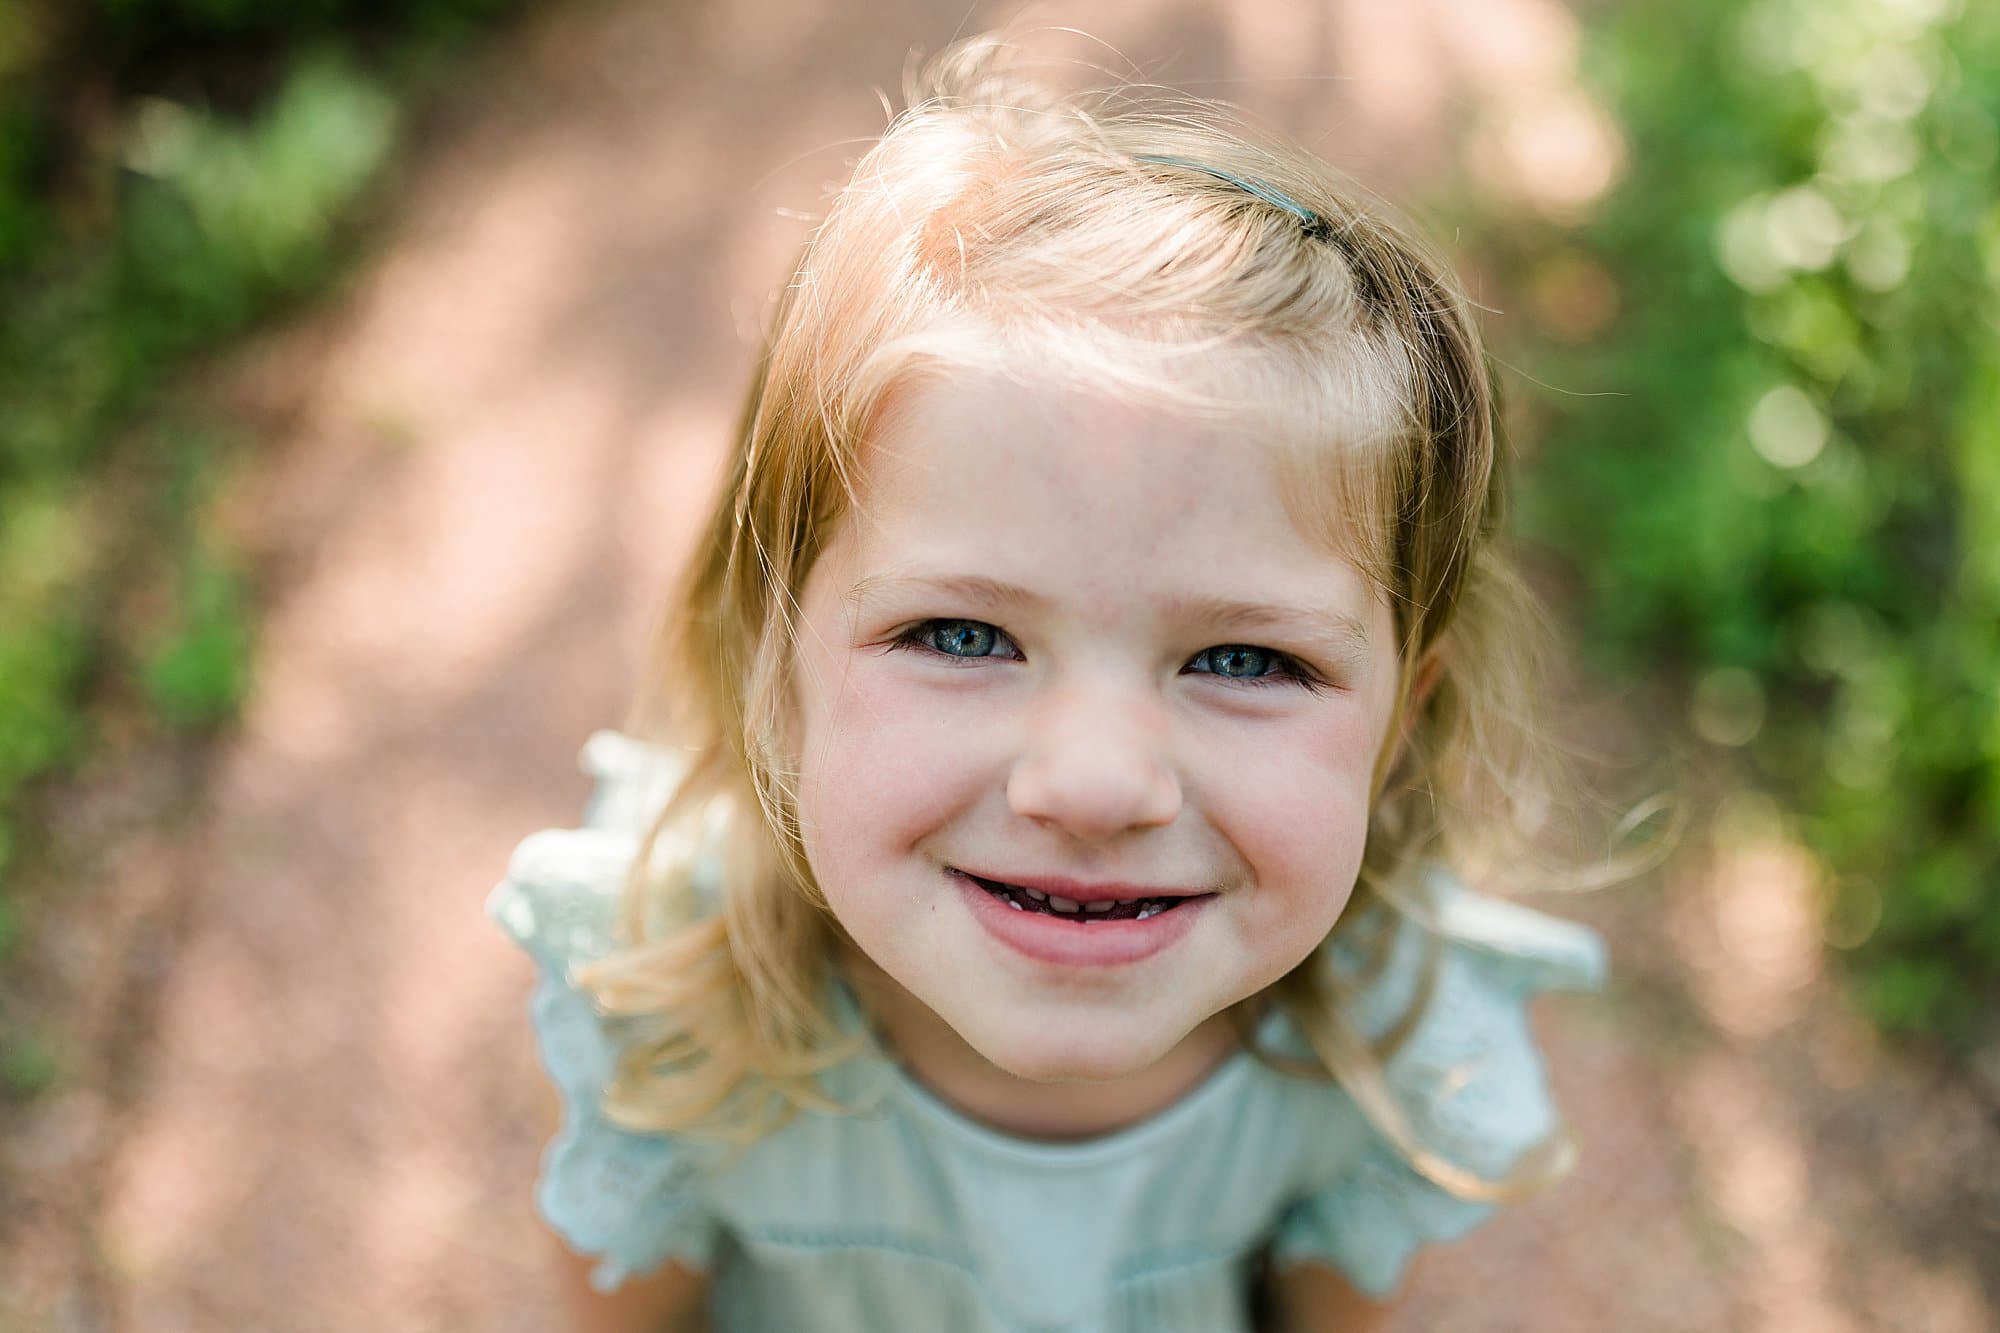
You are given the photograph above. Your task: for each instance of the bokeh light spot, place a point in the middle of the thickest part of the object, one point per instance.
(1786, 428)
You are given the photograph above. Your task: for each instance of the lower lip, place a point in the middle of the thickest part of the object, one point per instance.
(1050, 939)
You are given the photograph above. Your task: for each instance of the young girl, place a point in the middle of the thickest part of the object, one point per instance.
(1035, 896)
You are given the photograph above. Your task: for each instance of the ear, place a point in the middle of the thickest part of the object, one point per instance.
(1423, 682)
(1429, 672)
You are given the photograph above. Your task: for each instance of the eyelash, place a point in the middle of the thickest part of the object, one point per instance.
(1289, 670)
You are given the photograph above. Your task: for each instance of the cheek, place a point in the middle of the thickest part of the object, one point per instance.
(1296, 807)
(882, 766)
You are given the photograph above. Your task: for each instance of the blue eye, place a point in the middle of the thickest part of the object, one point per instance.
(1238, 660)
(1247, 662)
(953, 638)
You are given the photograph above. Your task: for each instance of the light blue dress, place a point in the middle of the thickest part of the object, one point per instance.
(911, 1216)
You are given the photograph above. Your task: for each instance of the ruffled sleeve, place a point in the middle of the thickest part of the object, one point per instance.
(1469, 1077)
(632, 1200)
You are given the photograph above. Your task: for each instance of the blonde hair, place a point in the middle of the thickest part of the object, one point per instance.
(996, 223)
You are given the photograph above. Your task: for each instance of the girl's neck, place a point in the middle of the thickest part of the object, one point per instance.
(926, 1047)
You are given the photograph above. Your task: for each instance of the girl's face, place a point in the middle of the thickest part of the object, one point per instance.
(1068, 644)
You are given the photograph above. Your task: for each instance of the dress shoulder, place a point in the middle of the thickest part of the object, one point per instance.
(632, 1200)
(1469, 1078)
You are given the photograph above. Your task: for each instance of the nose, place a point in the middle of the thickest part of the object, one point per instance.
(1094, 763)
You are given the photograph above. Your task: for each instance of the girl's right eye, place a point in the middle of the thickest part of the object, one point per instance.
(964, 639)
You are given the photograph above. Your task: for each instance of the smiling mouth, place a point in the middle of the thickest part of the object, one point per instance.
(1034, 900)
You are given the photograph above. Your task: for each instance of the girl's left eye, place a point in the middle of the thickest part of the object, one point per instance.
(1247, 662)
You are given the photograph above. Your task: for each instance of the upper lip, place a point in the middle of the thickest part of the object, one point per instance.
(1076, 890)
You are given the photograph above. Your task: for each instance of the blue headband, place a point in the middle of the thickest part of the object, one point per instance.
(1315, 226)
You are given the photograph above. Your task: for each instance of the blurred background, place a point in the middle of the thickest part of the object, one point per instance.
(362, 366)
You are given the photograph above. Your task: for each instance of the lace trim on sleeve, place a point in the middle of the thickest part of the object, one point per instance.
(632, 1200)
(1470, 1077)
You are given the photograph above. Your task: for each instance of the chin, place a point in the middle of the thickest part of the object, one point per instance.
(1075, 1052)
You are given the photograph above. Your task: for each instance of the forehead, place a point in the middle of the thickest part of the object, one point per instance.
(1045, 484)
(1061, 448)
(1332, 421)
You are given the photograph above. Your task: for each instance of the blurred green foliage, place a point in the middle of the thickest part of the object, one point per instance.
(171, 172)
(1778, 480)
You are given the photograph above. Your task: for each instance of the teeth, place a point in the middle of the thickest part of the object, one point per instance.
(1012, 893)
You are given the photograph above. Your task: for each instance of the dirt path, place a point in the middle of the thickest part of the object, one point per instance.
(511, 419)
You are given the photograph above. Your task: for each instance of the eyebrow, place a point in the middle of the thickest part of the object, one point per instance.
(1332, 632)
